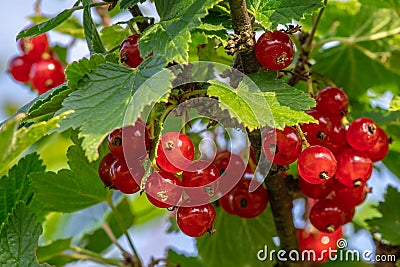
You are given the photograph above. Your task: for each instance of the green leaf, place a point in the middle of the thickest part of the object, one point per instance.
(19, 238)
(182, 260)
(47, 25)
(113, 35)
(129, 3)
(53, 253)
(388, 224)
(270, 13)
(14, 141)
(287, 95)
(392, 159)
(104, 95)
(213, 31)
(395, 104)
(44, 109)
(170, 37)
(255, 109)
(238, 240)
(71, 26)
(16, 186)
(349, 57)
(70, 189)
(92, 36)
(79, 69)
(98, 241)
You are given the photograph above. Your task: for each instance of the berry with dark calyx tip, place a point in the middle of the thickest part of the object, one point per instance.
(319, 242)
(105, 169)
(249, 204)
(282, 147)
(46, 74)
(332, 101)
(201, 178)
(316, 164)
(197, 220)
(316, 191)
(129, 51)
(354, 167)
(329, 132)
(350, 196)
(163, 189)
(274, 50)
(34, 47)
(328, 215)
(130, 142)
(380, 149)
(124, 178)
(225, 158)
(362, 134)
(175, 152)
(20, 68)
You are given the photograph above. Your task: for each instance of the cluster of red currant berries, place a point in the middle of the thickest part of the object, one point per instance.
(336, 166)
(180, 182)
(37, 65)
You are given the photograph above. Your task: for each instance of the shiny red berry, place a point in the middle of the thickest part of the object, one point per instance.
(316, 191)
(354, 167)
(175, 152)
(201, 180)
(274, 50)
(34, 47)
(380, 149)
(350, 196)
(362, 134)
(163, 189)
(249, 204)
(105, 169)
(195, 221)
(130, 142)
(20, 68)
(46, 74)
(332, 101)
(316, 164)
(328, 215)
(124, 178)
(282, 147)
(129, 51)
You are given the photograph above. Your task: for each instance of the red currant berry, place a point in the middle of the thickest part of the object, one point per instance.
(34, 47)
(329, 132)
(319, 242)
(105, 169)
(380, 149)
(328, 215)
(124, 178)
(226, 202)
(133, 140)
(46, 74)
(249, 204)
(163, 189)
(316, 164)
(332, 101)
(20, 67)
(282, 147)
(354, 167)
(274, 50)
(350, 196)
(316, 191)
(129, 51)
(175, 152)
(224, 158)
(201, 176)
(362, 134)
(195, 221)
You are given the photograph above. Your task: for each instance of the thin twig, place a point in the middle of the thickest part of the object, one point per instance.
(38, 5)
